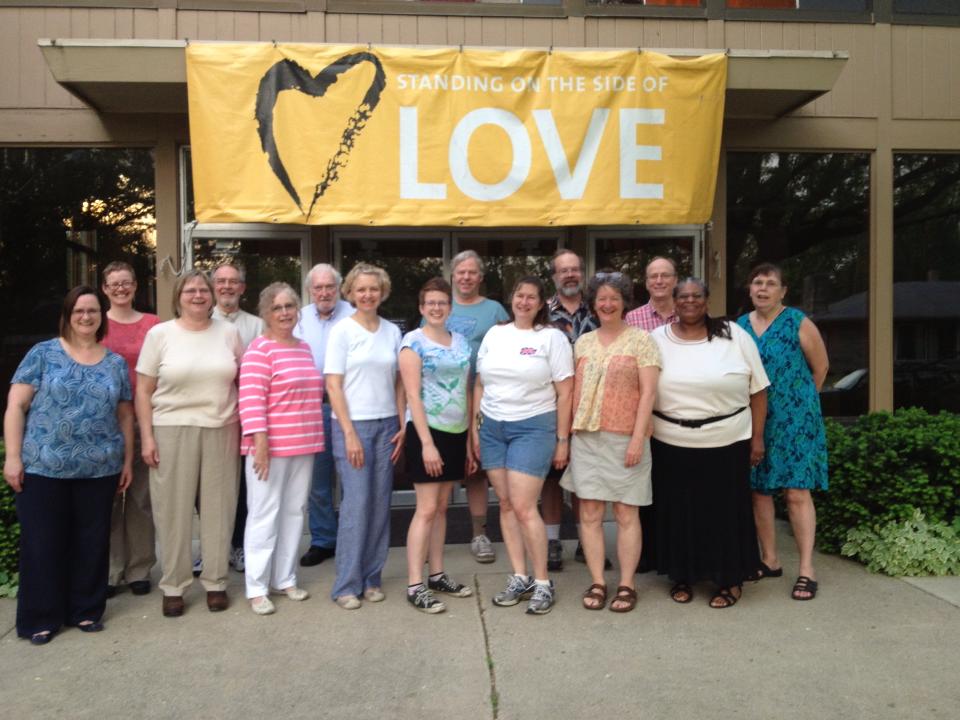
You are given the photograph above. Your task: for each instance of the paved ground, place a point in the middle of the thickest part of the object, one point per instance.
(867, 647)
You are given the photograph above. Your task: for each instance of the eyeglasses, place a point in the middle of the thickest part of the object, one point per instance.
(195, 291)
(690, 296)
(614, 276)
(569, 271)
(324, 288)
(661, 276)
(227, 281)
(83, 312)
(436, 304)
(121, 285)
(286, 307)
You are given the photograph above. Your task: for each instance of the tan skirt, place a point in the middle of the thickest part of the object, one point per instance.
(596, 470)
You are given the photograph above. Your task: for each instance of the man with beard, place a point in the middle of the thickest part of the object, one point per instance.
(570, 313)
(229, 285)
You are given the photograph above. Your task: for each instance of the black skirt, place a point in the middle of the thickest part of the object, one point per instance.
(451, 446)
(704, 513)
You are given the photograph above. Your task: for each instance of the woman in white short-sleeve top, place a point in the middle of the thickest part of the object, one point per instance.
(707, 432)
(366, 397)
(524, 392)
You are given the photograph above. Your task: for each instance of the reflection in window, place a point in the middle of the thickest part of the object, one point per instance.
(64, 214)
(807, 212)
(509, 259)
(631, 255)
(926, 277)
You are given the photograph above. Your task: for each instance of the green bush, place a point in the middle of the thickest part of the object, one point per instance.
(885, 467)
(912, 547)
(9, 539)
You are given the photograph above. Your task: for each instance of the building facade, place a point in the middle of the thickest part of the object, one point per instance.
(840, 161)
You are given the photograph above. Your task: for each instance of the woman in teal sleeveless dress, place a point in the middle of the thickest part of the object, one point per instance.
(795, 359)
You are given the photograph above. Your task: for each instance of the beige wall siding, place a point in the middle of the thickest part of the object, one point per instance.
(926, 72)
(925, 60)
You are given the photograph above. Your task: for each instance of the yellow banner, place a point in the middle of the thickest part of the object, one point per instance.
(323, 134)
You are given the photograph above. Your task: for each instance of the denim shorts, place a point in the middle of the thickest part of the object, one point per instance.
(524, 446)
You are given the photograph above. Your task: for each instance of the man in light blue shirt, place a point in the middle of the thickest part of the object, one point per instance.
(316, 321)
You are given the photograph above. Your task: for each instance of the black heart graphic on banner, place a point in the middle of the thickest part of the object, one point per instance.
(288, 75)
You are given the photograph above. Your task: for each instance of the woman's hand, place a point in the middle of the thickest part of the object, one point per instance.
(757, 451)
(432, 462)
(354, 449)
(126, 477)
(149, 452)
(13, 473)
(397, 441)
(561, 454)
(473, 446)
(261, 456)
(634, 452)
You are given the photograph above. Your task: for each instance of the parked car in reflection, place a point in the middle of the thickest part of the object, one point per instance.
(933, 385)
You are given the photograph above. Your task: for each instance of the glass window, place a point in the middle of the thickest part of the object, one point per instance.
(64, 214)
(630, 253)
(926, 282)
(510, 258)
(926, 7)
(808, 212)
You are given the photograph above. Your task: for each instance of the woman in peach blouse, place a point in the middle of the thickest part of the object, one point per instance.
(617, 367)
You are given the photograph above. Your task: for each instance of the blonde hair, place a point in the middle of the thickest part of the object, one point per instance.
(366, 269)
(182, 281)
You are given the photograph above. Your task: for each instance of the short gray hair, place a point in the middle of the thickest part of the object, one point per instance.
(467, 255)
(231, 264)
(269, 294)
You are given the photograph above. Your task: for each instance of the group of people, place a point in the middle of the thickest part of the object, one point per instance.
(125, 426)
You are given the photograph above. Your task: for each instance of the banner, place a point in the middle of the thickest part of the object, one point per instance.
(323, 134)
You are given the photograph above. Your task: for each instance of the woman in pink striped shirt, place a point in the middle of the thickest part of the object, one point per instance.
(281, 395)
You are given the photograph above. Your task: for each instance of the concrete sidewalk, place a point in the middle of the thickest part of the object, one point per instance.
(867, 647)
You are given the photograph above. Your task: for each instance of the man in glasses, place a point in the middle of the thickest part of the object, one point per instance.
(661, 279)
(569, 312)
(229, 285)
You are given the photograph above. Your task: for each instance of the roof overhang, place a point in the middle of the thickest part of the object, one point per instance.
(141, 76)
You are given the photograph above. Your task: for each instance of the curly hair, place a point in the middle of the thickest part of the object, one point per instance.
(612, 279)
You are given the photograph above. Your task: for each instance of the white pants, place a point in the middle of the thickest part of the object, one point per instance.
(275, 522)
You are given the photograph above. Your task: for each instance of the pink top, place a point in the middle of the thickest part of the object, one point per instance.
(126, 339)
(281, 393)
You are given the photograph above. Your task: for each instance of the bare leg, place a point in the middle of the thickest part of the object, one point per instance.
(629, 541)
(591, 537)
(419, 533)
(509, 525)
(803, 519)
(524, 494)
(763, 516)
(438, 536)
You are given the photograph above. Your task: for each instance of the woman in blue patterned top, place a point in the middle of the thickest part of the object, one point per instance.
(795, 359)
(69, 434)
(435, 367)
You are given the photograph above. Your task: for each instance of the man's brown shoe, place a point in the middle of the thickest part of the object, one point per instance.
(172, 606)
(217, 601)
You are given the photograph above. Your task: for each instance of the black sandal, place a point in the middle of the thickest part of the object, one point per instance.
(763, 571)
(681, 588)
(804, 584)
(725, 597)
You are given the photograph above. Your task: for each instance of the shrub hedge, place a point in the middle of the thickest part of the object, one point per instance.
(885, 467)
(9, 539)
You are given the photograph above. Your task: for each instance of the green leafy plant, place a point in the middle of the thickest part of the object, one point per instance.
(886, 466)
(910, 547)
(9, 539)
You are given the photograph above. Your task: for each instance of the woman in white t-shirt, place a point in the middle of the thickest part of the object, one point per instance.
(186, 401)
(707, 432)
(366, 396)
(523, 392)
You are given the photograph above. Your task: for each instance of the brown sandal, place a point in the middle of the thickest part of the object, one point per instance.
(596, 593)
(627, 596)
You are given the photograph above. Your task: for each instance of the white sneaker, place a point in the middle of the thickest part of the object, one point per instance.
(262, 606)
(236, 559)
(482, 549)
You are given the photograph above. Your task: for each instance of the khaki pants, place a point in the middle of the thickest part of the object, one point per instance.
(195, 459)
(132, 538)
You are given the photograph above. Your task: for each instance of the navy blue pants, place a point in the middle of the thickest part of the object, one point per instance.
(64, 551)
